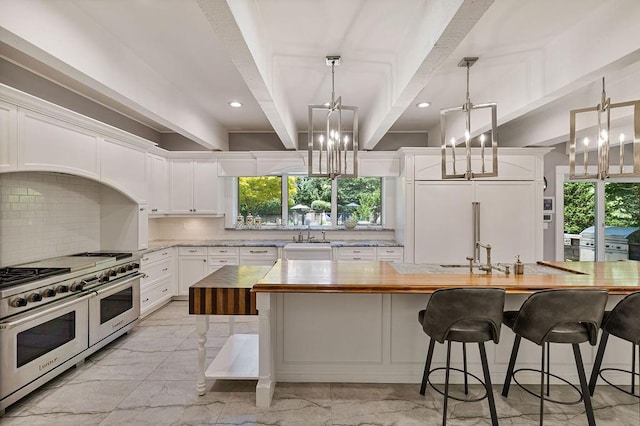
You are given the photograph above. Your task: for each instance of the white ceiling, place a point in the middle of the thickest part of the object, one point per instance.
(175, 64)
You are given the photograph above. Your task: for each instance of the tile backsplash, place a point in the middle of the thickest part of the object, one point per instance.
(45, 215)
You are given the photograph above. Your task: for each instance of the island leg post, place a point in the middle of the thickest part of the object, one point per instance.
(202, 327)
(265, 302)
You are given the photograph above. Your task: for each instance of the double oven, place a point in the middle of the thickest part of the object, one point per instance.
(53, 316)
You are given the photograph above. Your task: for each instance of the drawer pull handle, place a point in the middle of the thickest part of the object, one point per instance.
(223, 251)
(357, 258)
(165, 253)
(193, 251)
(165, 290)
(145, 300)
(222, 261)
(258, 251)
(144, 259)
(165, 269)
(356, 251)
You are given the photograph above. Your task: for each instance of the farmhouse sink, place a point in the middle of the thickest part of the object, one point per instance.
(307, 251)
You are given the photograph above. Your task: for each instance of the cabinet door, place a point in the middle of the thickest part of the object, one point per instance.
(443, 226)
(191, 270)
(180, 193)
(49, 144)
(8, 137)
(205, 186)
(158, 185)
(508, 219)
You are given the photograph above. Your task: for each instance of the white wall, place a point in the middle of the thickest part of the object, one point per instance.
(45, 215)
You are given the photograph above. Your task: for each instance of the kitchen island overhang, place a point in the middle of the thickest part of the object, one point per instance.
(355, 321)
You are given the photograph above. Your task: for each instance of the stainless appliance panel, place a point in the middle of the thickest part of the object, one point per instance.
(114, 306)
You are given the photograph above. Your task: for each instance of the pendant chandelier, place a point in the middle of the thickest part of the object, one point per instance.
(333, 135)
(453, 134)
(600, 127)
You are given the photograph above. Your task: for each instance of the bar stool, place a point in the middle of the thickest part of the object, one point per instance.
(623, 322)
(462, 315)
(557, 316)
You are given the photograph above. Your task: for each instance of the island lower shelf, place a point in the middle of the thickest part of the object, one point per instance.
(237, 360)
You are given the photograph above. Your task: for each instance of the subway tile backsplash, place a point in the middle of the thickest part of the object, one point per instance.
(45, 215)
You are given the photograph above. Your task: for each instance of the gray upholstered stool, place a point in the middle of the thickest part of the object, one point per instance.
(557, 316)
(623, 322)
(467, 315)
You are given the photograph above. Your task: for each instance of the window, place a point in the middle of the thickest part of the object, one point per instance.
(261, 196)
(311, 201)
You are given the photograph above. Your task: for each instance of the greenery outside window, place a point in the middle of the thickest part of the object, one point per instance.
(311, 201)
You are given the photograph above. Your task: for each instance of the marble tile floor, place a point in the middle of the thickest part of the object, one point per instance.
(148, 378)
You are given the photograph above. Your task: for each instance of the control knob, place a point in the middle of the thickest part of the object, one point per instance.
(122, 270)
(62, 289)
(77, 286)
(34, 297)
(49, 293)
(104, 278)
(18, 302)
(113, 273)
(129, 267)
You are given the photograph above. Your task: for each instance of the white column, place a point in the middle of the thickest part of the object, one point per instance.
(202, 326)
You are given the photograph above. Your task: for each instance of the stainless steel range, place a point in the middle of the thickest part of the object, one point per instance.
(56, 312)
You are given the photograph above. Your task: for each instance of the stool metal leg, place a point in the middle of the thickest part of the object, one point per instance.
(542, 385)
(464, 361)
(598, 362)
(446, 384)
(583, 385)
(548, 368)
(512, 363)
(487, 384)
(427, 366)
(633, 368)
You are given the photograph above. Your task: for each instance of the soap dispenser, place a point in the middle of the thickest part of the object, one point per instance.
(518, 267)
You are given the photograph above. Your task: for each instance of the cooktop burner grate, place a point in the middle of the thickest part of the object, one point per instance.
(15, 275)
(117, 255)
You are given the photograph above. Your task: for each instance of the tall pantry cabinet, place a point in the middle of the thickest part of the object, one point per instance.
(439, 217)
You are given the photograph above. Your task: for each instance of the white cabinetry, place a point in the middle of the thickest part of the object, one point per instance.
(194, 187)
(258, 255)
(158, 172)
(49, 144)
(157, 283)
(393, 254)
(221, 256)
(8, 137)
(192, 267)
(124, 167)
(444, 220)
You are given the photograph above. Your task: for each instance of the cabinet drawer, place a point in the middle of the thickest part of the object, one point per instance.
(390, 253)
(221, 260)
(155, 256)
(222, 251)
(192, 251)
(357, 251)
(156, 271)
(250, 252)
(155, 294)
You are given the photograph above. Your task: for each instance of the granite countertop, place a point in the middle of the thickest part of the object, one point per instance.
(161, 244)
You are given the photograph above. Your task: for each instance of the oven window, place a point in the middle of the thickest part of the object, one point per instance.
(116, 304)
(45, 337)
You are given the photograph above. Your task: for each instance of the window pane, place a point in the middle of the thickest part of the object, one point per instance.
(309, 201)
(622, 219)
(261, 196)
(359, 199)
(579, 217)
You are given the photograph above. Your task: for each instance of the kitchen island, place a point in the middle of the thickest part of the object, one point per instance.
(328, 321)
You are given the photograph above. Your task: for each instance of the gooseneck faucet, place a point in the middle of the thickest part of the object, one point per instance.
(487, 267)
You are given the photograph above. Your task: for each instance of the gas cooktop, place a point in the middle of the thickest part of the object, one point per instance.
(17, 275)
(117, 255)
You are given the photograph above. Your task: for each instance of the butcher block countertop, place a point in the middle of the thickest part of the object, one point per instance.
(326, 276)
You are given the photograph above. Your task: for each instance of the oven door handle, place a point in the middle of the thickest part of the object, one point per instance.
(117, 284)
(30, 316)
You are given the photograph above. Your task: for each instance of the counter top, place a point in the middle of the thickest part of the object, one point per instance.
(320, 276)
(162, 244)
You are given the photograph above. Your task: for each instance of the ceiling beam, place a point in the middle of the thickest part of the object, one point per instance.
(237, 23)
(427, 46)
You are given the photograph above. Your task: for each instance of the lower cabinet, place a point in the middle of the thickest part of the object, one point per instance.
(392, 254)
(192, 267)
(156, 286)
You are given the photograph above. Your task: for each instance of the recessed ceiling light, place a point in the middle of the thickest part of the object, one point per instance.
(423, 104)
(235, 104)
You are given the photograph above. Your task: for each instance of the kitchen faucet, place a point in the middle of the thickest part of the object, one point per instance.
(487, 267)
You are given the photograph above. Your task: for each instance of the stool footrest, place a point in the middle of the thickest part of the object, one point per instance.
(480, 398)
(637, 395)
(515, 380)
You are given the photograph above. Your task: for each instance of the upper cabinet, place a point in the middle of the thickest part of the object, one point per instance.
(124, 167)
(194, 187)
(158, 172)
(8, 137)
(49, 144)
